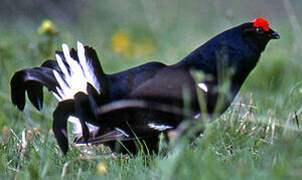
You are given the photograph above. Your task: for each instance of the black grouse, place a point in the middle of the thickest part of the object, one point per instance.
(144, 101)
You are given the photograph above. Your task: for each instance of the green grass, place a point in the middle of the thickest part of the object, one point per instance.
(258, 137)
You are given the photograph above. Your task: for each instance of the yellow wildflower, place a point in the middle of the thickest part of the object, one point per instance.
(101, 168)
(47, 27)
(120, 42)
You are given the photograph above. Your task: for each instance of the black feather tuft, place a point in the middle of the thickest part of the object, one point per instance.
(18, 90)
(60, 116)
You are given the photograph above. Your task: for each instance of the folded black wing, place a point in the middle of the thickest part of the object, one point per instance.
(129, 119)
(31, 81)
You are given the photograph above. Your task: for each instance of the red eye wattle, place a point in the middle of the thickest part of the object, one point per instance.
(261, 23)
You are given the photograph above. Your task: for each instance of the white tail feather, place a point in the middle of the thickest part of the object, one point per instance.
(76, 76)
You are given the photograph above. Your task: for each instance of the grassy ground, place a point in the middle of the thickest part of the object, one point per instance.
(258, 137)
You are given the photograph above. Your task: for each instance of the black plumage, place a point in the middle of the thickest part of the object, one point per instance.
(141, 102)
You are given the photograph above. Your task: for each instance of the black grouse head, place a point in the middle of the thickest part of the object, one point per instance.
(259, 32)
(235, 51)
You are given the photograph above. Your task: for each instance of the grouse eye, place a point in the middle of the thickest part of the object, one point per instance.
(259, 30)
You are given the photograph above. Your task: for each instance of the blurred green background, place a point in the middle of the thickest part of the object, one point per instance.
(126, 33)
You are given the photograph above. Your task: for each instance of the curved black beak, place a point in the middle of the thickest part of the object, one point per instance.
(274, 35)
